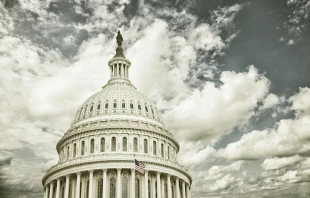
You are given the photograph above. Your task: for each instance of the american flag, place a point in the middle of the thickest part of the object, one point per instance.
(139, 166)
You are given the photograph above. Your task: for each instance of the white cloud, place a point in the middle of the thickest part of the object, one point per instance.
(194, 153)
(276, 163)
(215, 110)
(289, 137)
(270, 101)
(223, 183)
(300, 101)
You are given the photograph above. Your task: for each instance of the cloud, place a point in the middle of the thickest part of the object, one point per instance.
(226, 182)
(270, 101)
(276, 163)
(289, 137)
(220, 108)
(194, 153)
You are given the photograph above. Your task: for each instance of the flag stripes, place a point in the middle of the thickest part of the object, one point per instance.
(139, 166)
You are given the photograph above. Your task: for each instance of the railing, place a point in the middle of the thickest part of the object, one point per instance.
(117, 156)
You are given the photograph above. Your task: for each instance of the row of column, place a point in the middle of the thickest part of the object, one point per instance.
(145, 191)
(120, 70)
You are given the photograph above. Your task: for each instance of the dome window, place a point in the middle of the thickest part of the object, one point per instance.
(91, 108)
(146, 109)
(123, 105)
(107, 105)
(85, 110)
(139, 107)
(152, 111)
(114, 105)
(131, 106)
(98, 107)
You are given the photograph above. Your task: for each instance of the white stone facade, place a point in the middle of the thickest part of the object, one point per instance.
(111, 129)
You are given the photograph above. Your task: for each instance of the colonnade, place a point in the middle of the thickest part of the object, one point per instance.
(149, 185)
(119, 70)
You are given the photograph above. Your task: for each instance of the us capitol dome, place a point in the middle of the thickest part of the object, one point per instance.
(117, 146)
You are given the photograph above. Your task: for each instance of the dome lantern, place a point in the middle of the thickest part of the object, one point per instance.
(119, 65)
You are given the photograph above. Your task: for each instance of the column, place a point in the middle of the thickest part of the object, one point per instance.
(58, 188)
(111, 74)
(169, 186)
(146, 184)
(104, 184)
(187, 191)
(122, 71)
(90, 193)
(153, 187)
(118, 183)
(46, 191)
(51, 189)
(162, 188)
(158, 185)
(133, 183)
(67, 187)
(177, 188)
(183, 189)
(78, 183)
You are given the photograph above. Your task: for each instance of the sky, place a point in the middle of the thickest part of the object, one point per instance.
(231, 78)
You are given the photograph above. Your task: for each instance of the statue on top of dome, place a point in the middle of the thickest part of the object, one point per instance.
(119, 38)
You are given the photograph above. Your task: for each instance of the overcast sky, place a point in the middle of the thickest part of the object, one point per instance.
(231, 78)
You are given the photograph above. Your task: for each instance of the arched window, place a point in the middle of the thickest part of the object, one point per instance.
(81, 111)
(124, 144)
(154, 147)
(102, 145)
(92, 145)
(74, 150)
(146, 109)
(112, 187)
(83, 148)
(123, 104)
(168, 152)
(125, 187)
(139, 107)
(85, 110)
(98, 107)
(91, 108)
(87, 190)
(137, 188)
(131, 106)
(68, 152)
(162, 150)
(114, 104)
(135, 144)
(145, 146)
(106, 105)
(100, 188)
(113, 144)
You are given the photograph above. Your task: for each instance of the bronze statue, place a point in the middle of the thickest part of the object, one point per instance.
(119, 38)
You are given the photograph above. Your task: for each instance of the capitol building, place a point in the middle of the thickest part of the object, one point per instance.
(113, 130)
